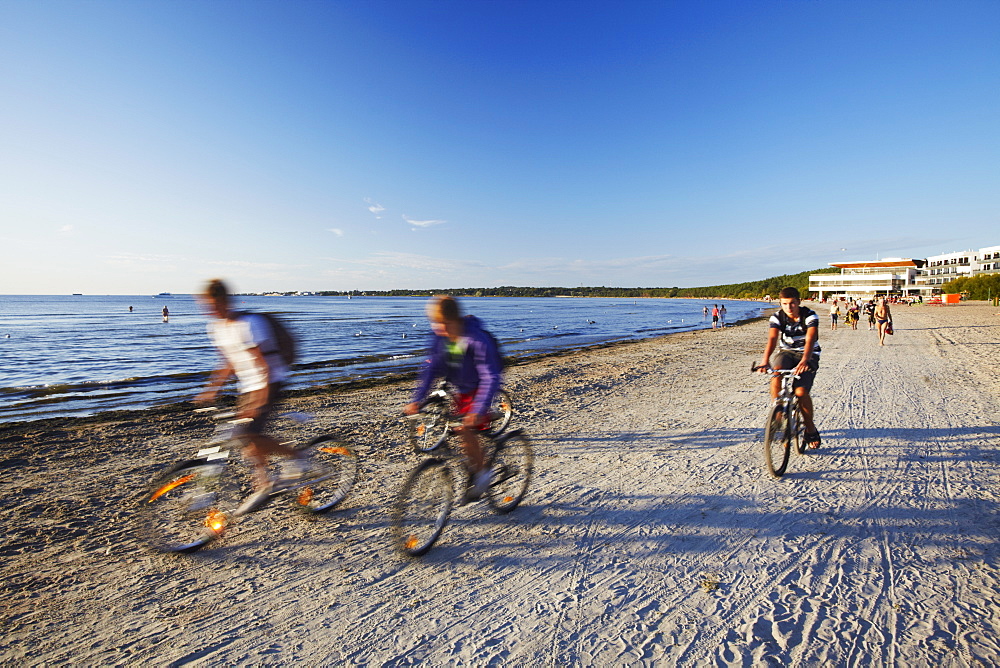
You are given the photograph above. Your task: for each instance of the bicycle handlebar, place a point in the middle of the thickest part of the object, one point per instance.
(452, 421)
(228, 416)
(754, 367)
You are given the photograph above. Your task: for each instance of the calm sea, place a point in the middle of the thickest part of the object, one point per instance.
(78, 355)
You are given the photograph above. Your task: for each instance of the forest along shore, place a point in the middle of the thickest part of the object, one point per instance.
(651, 534)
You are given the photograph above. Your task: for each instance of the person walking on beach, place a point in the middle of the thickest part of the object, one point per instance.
(466, 355)
(166, 314)
(793, 343)
(715, 316)
(250, 350)
(883, 317)
(870, 312)
(834, 313)
(852, 315)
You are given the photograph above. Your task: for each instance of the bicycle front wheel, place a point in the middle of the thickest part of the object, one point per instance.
(796, 431)
(333, 470)
(501, 411)
(429, 428)
(513, 463)
(187, 507)
(422, 508)
(776, 441)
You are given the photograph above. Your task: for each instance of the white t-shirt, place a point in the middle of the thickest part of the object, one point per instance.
(235, 339)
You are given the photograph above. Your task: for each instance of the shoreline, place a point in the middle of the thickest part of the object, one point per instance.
(333, 389)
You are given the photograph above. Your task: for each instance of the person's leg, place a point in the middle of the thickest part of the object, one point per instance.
(806, 404)
(258, 448)
(473, 450)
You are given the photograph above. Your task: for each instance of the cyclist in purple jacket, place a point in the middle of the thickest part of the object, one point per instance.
(466, 355)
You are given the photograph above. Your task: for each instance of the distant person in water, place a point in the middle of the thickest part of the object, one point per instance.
(129, 309)
(166, 314)
(722, 316)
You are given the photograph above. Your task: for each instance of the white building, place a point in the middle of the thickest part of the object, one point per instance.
(865, 278)
(904, 276)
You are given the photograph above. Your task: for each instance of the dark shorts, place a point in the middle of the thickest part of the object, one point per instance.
(260, 423)
(786, 359)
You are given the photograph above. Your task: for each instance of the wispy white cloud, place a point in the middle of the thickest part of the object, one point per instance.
(422, 223)
(66, 230)
(337, 231)
(375, 207)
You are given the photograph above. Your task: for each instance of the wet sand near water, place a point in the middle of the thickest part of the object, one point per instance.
(652, 533)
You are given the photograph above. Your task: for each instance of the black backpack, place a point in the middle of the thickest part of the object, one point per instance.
(287, 347)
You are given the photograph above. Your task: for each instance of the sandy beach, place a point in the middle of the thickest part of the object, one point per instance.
(652, 534)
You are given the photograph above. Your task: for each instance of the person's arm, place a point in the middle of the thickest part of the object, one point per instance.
(429, 370)
(215, 382)
(812, 333)
(772, 341)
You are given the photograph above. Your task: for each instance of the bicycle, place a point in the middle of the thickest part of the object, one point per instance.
(784, 425)
(433, 428)
(194, 501)
(427, 497)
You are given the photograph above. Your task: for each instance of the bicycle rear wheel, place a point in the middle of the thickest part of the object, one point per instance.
(188, 506)
(429, 428)
(333, 469)
(776, 445)
(421, 510)
(513, 463)
(501, 411)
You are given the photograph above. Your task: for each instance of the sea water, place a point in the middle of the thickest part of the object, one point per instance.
(79, 355)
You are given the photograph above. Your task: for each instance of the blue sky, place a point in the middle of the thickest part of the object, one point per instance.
(147, 146)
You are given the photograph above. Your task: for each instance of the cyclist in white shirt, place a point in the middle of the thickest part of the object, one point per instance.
(249, 351)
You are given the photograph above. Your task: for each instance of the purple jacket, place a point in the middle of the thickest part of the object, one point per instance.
(478, 372)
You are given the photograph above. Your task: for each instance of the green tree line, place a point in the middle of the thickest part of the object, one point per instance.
(748, 290)
(984, 286)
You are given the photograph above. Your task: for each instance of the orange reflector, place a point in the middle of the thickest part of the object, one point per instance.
(305, 496)
(337, 451)
(505, 406)
(171, 485)
(216, 521)
(508, 499)
(411, 542)
(421, 429)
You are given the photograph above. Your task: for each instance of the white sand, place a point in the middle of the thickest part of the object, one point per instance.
(652, 534)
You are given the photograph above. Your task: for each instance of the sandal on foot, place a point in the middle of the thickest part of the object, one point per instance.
(812, 439)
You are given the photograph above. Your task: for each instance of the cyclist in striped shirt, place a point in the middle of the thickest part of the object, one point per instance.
(793, 343)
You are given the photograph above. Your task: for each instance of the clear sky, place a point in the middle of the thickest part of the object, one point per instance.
(148, 145)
